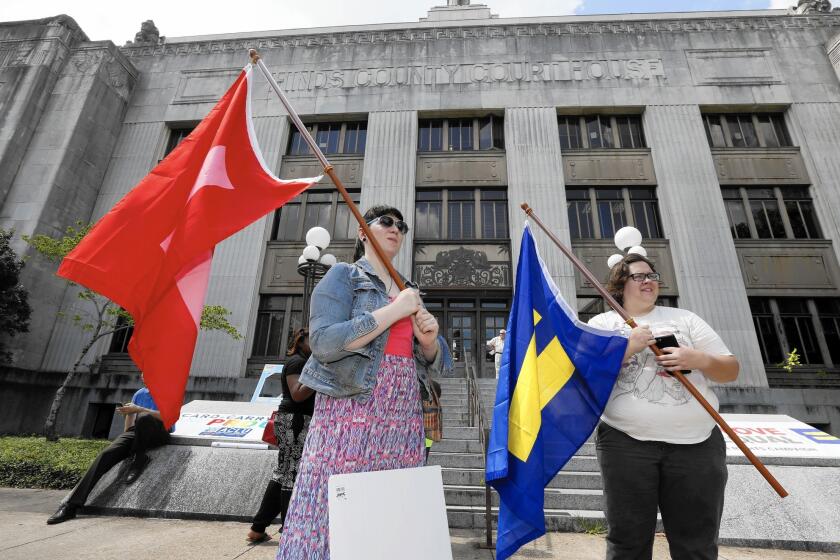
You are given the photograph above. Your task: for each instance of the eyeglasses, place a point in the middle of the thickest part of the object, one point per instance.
(641, 277)
(388, 221)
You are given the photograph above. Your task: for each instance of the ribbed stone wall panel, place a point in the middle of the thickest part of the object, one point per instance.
(133, 157)
(694, 218)
(820, 147)
(390, 170)
(137, 152)
(535, 176)
(235, 274)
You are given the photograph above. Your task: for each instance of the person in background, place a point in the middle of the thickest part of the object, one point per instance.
(373, 348)
(496, 345)
(144, 430)
(657, 447)
(291, 424)
(436, 387)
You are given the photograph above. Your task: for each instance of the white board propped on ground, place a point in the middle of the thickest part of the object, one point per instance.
(385, 515)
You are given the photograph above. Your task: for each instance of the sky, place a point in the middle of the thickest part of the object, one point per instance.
(102, 19)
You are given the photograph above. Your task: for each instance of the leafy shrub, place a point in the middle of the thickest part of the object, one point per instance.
(33, 462)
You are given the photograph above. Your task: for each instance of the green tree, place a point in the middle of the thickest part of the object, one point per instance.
(14, 304)
(101, 316)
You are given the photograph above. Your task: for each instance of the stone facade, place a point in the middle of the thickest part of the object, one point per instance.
(83, 121)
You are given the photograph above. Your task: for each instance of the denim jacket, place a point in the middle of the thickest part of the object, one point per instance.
(341, 311)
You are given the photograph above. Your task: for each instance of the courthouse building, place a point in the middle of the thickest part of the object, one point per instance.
(717, 134)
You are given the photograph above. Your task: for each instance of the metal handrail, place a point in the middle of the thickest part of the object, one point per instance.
(477, 420)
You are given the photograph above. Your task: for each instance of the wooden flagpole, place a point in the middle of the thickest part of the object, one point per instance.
(328, 168)
(656, 350)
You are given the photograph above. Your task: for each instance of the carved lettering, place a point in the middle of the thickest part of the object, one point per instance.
(452, 74)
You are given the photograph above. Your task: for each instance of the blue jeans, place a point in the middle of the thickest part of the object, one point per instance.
(686, 483)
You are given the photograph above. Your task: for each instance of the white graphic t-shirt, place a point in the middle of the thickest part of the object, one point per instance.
(646, 402)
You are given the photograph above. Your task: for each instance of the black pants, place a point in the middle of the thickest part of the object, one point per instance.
(290, 430)
(147, 433)
(686, 483)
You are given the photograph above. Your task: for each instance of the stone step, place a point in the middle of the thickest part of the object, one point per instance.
(458, 446)
(454, 400)
(453, 445)
(476, 461)
(555, 498)
(455, 423)
(452, 415)
(564, 479)
(462, 432)
(556, 520)
(457, 460)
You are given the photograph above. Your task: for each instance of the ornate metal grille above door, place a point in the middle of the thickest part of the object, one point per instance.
(454, 266)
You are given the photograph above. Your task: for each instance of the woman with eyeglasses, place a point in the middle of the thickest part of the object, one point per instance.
(374, 351)
(657, 447)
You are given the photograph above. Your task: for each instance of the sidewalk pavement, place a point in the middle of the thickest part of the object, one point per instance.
(24, 535)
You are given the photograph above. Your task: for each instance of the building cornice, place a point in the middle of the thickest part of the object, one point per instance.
(764, 20)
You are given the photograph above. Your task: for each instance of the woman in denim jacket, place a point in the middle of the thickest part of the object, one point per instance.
(373, 350)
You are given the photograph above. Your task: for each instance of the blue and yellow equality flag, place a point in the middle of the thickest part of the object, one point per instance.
(555, 379)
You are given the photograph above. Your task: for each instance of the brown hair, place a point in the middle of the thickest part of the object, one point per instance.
(620, 273)
(297, 341)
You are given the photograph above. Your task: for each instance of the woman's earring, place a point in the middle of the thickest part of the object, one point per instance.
(364, 239)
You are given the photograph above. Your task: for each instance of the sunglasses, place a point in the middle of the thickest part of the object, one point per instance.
(388, 221)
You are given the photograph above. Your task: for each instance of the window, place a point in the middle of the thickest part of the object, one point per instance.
(570, 133)
(332, 138)
(176, 136)
(428, 211)
(829, 313)
(770, 213)
(600, 132)
(494, 223)
(459, 135)
(430, 136)
(315, 208)
(491, 133)
(461, 214)
(326, 137)
(119, 341)
(808, 325)
(597, 213)
(746, 130)
(355, 138)
(461, 207)
(277, 319)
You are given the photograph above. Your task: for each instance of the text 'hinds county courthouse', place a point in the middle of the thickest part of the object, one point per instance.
(717, 134)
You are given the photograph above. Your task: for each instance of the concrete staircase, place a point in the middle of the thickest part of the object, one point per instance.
(573, 500)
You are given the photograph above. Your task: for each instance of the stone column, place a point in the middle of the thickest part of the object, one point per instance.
(816, 129)
(389, 171)
(235, 274)
(834, 53)
(35, 54)
(535, 176)
(61, 174)
(690, 202)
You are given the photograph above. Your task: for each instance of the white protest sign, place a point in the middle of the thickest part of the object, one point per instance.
(777, 435)
(385, 515)
(224, 420)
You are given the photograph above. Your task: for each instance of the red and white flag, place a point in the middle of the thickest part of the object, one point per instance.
(151, 253)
